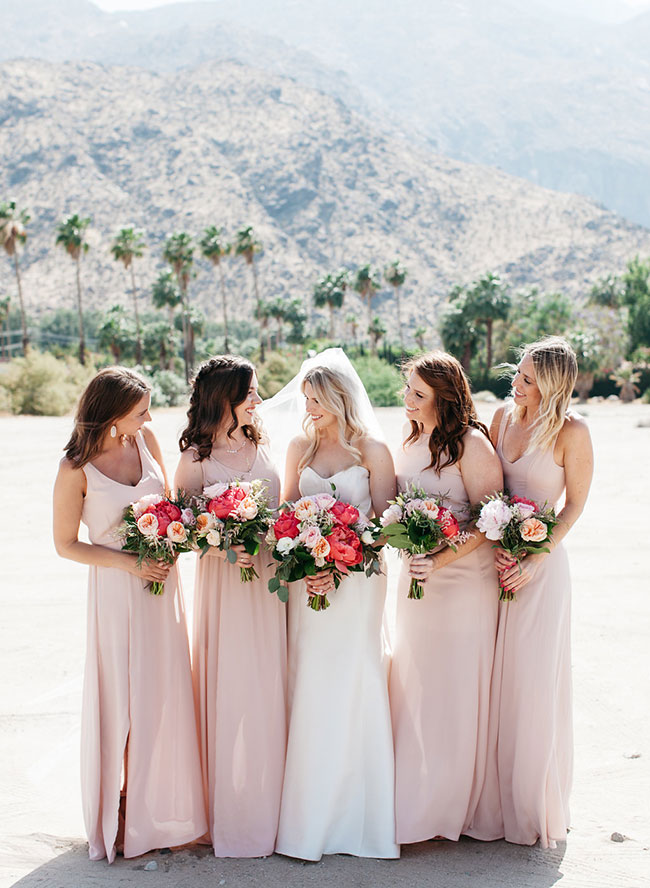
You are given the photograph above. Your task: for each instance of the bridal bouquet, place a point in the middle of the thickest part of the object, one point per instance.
(319, 533)
(418, 523)
(519, 526)
(235, 514)
(157, 528)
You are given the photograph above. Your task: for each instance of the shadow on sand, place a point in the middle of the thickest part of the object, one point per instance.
(440, 864)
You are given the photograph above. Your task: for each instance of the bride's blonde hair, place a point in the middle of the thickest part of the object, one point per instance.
(336, 395)
(556, 369)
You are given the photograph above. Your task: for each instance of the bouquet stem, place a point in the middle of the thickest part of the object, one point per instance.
(247, 574)
(506, 594)
(157, 588)
(416, 589)
(318, 602)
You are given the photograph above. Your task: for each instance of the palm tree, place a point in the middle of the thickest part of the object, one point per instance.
(166, 294)
(419, 335)
(116, 333)
(12, 232)
(128, 244)
(4, 317)
(71, 236)
(457, 330)
(353, 323)
(488, 300)
(215, 248)
(626, 378)
(179, 253)
(366, 283)
(395, 274)
(376, 331)
(247, 246)
(330, 291)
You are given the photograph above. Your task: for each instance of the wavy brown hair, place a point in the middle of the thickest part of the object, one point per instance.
(220, 385)
(455, 409)
(109, 396)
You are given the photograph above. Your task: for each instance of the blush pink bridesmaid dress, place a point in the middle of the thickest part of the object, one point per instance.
(240, 678)
(527, 787)
(137, 692)
(443, 650)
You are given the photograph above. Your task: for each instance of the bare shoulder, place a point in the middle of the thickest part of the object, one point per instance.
(476, 443)
(298, 445)
(70, 478)
(575, 431)
(374, 451)
(150, 439)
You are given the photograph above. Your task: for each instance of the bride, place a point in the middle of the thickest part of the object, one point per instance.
(338, 793)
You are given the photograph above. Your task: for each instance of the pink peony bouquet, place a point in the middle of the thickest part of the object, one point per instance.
(418, 523)
(518, 525)
(235, 514)
(157, 528)
(321, 533)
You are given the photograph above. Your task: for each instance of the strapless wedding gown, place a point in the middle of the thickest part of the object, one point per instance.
(338, 793)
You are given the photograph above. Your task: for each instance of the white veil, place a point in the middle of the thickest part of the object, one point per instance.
(282, 414)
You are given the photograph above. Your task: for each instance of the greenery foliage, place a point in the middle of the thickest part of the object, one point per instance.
(383, 382)
(43, 385)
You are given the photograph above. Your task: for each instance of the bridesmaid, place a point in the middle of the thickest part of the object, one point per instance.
(137, 716)
(239, 644)
(546, 452)
(444, 643)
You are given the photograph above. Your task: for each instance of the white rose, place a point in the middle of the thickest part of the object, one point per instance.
(152, 499)
(213, 537)
(367, 538)
(392, 515)
(285, 545)
(494, 518)
(215, 490)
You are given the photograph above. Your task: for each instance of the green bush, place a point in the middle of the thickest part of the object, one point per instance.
(43, 385)
(276, 373)
(645, 397)
(168, 389)
(383, 381)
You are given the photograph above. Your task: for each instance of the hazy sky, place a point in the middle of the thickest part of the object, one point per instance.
(631, 5)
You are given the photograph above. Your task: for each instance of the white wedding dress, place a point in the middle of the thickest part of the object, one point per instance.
(338, 793)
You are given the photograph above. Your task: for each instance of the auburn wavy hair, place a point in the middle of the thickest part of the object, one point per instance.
(109, 396)
(220, 385)
(455, 409)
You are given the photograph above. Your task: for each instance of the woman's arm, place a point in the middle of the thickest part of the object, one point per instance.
(576, 451)
(482, 476)
(379, 462)
(189, 474)
(154, 449)
(69, 492)
(295, 451)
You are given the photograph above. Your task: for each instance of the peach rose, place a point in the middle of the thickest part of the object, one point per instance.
(205, 521)
(533, 530)
(320, 551)
(305, 509)
(247, 509)
(176, 532)
(148, 525)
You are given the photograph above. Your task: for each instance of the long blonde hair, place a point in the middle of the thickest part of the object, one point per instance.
(556, 369)
(335, 394)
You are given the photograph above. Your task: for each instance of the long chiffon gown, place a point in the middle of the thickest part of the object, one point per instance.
(527, 787)
(137, 688)
(240, 665)
(443, 651)
(338, 795)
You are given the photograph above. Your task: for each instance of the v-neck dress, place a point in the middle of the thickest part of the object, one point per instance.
(240, 670)
(137, 688)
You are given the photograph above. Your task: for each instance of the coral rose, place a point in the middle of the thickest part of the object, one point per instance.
(344, 512)
(345, 546)
(226, 504)
(533, 530)
(448, 523)
(526, 507)
(286, 526)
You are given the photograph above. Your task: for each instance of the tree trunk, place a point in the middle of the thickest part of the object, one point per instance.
(488, 342)
(224, 306)
(186, 333)
(258, 312)
(466, 360)
(82, 340)
(584, 384)
(138, 334)
(23, 319)
(369, 308)
(399, 320)
(331, 321)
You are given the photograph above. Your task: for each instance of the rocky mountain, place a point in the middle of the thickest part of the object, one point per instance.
(562, 101)
(232, 145)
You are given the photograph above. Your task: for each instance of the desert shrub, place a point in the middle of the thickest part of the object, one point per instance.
(383, 381)
(43, 385)
(645, 397)
(168, 389)
(276, 373)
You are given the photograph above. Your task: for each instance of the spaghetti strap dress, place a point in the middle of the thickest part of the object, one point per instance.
(240, 678)
(443, 651)
(526, 793)
(137, 696)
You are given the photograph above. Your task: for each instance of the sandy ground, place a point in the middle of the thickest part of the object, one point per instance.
(42, 649)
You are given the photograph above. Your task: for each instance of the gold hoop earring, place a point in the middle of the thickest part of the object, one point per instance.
(113, 431)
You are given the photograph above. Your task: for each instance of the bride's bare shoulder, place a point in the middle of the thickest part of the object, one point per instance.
(373, 450)
(298, 445)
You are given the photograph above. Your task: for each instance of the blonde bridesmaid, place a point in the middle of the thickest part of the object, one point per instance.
(444, 643)
(546, 453)
(141, 778)
(239, 643)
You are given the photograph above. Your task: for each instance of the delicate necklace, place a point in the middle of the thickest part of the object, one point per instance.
(237, 449)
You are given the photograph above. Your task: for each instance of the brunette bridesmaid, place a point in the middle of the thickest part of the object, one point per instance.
(546, 453)
(444, 643)
(239, 643)
(138, 715)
